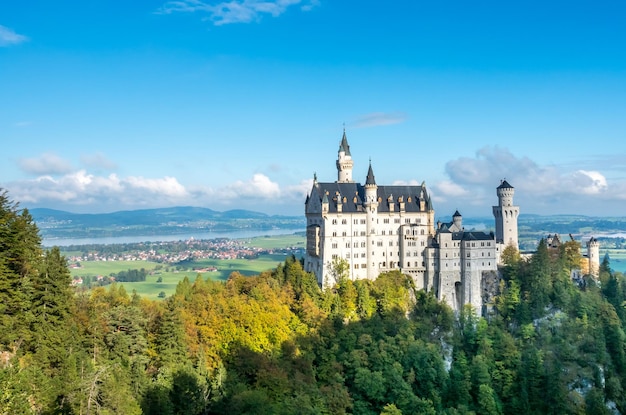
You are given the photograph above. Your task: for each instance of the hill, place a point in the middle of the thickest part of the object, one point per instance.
(163, 221)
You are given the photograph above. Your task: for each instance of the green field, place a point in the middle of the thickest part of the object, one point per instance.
(170, 276)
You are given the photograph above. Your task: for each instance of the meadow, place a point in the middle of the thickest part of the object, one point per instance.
(170, 275)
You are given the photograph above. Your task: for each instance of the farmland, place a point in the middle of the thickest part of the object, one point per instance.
(163, 277)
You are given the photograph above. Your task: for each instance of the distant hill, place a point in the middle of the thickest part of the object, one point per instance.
(179, 220)
(162, 221)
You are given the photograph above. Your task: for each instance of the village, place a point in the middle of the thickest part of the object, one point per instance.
(171, 252)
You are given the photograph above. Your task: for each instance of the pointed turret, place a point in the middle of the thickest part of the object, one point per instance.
(344, 161)
(370, 176)
(457, 220)
(344, 146)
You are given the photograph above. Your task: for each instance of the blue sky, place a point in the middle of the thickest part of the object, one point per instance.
(110, 105)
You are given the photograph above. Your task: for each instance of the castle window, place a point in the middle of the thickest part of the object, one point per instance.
(334, 233)
(334, 256)
(362, 221)
(362, 244)
(334, 221)
(396, 220)
(335, 246)
(468, 254)
(344, 221)
(344, 234)
(386, 220)
(356, 255)
(390, 243)
(384, 232)
(407, 220)
(356, 266)
(356, 244)
(347, 244)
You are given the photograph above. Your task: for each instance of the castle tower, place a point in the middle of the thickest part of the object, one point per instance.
(371, 207)
(457, 220)
(506, 216)
(593, 255)
(344, 161)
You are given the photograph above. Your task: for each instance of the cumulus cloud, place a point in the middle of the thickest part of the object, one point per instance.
(47, 163)
(300, 190)
(546, 188)
(495, 162)
(374, 119)
(98, 161)
(235, 11)
(91, 192)
(447, 188)
(259, 187)
(8, 37)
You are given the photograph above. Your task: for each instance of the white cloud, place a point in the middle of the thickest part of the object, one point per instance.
(235, 11)
(299, 191)
(8, 37)
(94, 193)
(545, 189)
(98, 161)
(591, 182)
(47, 163)
(259, 187)
(447, 188)
(374, 119)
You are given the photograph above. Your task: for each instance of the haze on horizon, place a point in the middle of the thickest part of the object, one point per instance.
(230, 105)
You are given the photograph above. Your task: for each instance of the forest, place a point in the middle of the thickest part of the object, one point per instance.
(276, 343)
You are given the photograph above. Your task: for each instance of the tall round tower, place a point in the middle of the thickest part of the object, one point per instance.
(371, 208)
(506, 216)
(344, 161)
(593, 256)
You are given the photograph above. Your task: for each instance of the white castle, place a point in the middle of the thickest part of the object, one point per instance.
(379, 228)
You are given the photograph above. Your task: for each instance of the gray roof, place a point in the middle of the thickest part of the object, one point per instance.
(472, 236)
(505, 185)
(354, 194)
(370, 176)
(344, 146)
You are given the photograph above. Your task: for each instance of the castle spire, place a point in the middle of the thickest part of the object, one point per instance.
(344, 161)
(370, 176)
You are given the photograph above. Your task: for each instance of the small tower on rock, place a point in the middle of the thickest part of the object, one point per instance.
(506, 215)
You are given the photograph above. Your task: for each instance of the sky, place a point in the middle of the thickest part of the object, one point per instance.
(112, 105)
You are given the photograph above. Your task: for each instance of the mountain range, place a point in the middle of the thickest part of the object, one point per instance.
(61, 224)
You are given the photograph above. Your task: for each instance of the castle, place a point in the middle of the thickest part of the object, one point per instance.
(379, 228)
